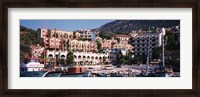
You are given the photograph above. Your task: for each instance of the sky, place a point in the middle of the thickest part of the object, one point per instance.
(68, 25)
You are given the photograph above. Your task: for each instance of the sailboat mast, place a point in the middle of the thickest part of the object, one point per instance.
(55, 50)
(148, 49)
(44, 55)
(163, 46)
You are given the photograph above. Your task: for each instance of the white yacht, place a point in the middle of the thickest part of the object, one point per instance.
(32, 65)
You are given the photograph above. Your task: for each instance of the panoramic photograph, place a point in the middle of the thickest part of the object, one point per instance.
(99, 48)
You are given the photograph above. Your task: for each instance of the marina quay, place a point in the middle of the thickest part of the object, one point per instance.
(149, 52)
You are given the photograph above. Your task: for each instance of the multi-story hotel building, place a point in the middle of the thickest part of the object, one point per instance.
(107, 43)
(140, 41)
(86, 34)
(126, 47)
(85, 46)
(49, 37)
(44, 33)
(54, 43)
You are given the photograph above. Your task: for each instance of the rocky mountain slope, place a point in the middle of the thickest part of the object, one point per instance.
(126, 26)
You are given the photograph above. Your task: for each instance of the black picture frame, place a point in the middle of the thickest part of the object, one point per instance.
(5, 4)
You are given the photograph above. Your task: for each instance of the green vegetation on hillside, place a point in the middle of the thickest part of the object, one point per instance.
(27, 38)
(106, 35)
(124, 59)
(172, 46)
(172, 41)
(25, 51)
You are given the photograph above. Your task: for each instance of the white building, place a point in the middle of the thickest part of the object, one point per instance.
(85, 57)
(87, 34)
(141, 40)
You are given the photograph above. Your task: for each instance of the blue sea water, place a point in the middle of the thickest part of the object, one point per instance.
(41, 73)
(73, 75)
(32, 74)
(53, 75)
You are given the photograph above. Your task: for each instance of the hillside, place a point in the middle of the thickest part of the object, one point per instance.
(27, 39)
(129, 25)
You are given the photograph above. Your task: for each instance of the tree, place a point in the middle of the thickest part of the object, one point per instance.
(98, 45)
(27, 42)
(70, 58)
(102, 51)
(56, 35)
(105, 35)
(173, 62)
(173, 48)
(28, 37)
(156, 52)
(130, 41)
(22, 28)
(144, 58)
(43, 57)
(25, 50)
(21, 55)
(135, 60)
(112, 44)
(118, 40)
(128, 58)
(41, 42)
(74, 35)
(122, 60)
(152, 29)
(170, 41)
(49, 33)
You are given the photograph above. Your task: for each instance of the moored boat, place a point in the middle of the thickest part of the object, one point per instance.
(74, 70)
(32, 65)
